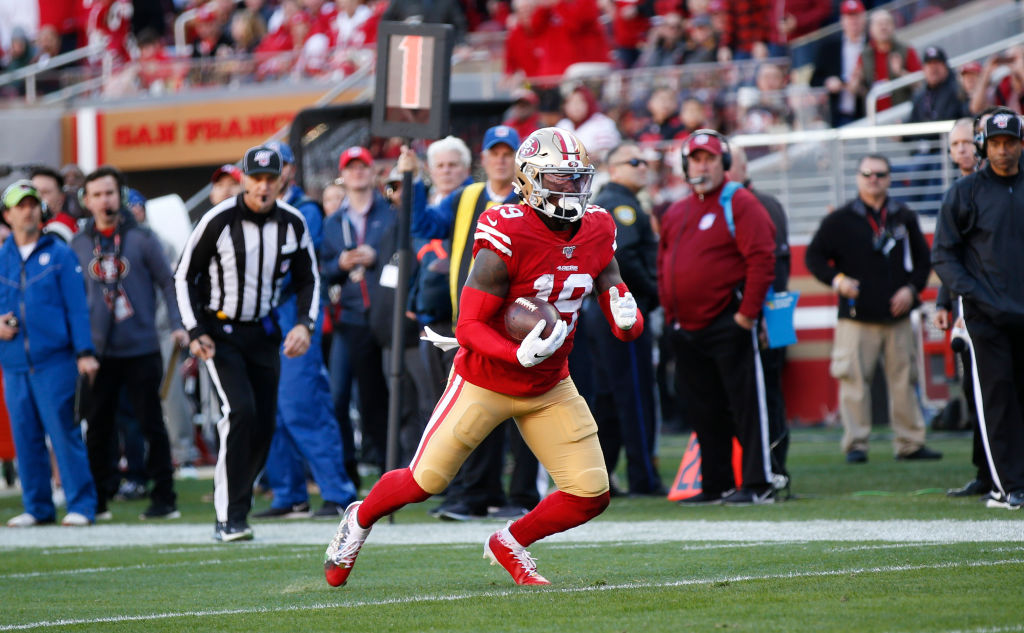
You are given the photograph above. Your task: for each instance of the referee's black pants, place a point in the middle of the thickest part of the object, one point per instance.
(719, 382)
(247, 366)
(999, 352)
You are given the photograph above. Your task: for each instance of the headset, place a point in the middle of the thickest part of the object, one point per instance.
(980, 139)
(726, 152)
(101, 172)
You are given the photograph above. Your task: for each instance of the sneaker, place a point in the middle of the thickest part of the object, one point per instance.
(856, 456)
(748, 497)
(1011, 501)
(972, 488)
(461, 511)
(344, 547)
(507, 513)
(702, 498)
(26, 520)
(74, 519)
(296, 511)
(228, 532)
(922, 453)
(329, 510)
(503, 550)
(160, 511)
(130, 491)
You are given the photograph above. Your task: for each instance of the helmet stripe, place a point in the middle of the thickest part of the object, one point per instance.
(562, 144)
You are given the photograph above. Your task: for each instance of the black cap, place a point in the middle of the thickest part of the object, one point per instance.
(934, 54)
(262, 160)
(1003, 124)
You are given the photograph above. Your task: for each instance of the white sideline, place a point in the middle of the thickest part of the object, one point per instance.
(512, 592)
(439, 533)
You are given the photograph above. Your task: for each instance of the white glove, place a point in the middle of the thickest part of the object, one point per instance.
(623, 308)
(534, 349)
(444, 343)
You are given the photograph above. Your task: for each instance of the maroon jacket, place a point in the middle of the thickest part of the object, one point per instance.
(700, 264)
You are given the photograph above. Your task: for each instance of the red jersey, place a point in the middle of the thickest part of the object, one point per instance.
(541, 264)
(110, 23)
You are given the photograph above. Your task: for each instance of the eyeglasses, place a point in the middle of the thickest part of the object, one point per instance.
(876, 174)
(632, 162)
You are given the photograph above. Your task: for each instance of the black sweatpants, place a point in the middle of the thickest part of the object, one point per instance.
(139, 377)
(719, 382)
(246, 369)
(366, 359)
(999, 352)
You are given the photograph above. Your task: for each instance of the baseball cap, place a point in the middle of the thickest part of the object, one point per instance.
(501, 134)
(849, 7)
(18, 191)
(355, 153)
(934, 54)
(706, 142)
(227, 170)
(262, 160)
(135, 197)
(282, 149)
(970, 67)
(1001, 124)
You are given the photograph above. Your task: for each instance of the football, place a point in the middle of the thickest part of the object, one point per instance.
(523, 314)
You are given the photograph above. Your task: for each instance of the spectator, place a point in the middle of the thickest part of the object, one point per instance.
(772, 359)
(701, 41)
(247, 29)
(941, 98)
(225, 183)
(109, 25)
(73, 179)
(1001, 82)
(228, 317)
(125, 268)
(524, 116)
(836, 61)
(156, 71)
(745, 31)
(354, 25)
(331, 199)
(666, 45)
(792, 19)
(38, 357)
(692, 114)
(306, 433)
(765, 108)
(871, 251)
(19, 55)
(583, 117)
(631, 19)
(664, 125)
(349, 257)
(713, 328)
(624, 394)
(977, 252)
(50, 185)
(884, 58)
(970, 78)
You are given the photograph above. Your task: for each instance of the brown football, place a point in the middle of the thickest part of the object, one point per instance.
(523, 314)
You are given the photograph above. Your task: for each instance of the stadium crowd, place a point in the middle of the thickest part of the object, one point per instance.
(635, 136)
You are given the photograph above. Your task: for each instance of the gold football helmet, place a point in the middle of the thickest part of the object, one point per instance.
(554, 174)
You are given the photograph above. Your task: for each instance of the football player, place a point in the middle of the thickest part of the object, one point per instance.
(555, 247)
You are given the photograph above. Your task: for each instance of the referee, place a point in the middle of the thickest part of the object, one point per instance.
(228, 283)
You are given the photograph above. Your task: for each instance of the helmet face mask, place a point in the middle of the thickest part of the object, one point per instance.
(554, 174)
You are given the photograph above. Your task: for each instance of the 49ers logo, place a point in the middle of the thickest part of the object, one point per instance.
(262, 158)
(108, 270)
(1001, 120)
(529, 148)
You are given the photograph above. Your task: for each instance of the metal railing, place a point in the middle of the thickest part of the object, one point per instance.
(30, 74)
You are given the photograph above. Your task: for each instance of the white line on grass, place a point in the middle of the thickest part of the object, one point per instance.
(144, 566)
(506, 593)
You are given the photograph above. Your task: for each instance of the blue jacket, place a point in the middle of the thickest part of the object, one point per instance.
(339, 236)
(49, 302)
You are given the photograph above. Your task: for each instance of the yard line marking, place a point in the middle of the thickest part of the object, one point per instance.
(144, 566)
(512, 592)
(857, 548)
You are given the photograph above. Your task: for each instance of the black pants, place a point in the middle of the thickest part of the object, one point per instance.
(999, 352)
(718, 382)
(247, 366)
(624, 400)
(366, 359)
(772, 361)
(140, 377)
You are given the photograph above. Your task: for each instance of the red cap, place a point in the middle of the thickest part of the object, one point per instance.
(848, 7)
(705, 142)
(355, 153)
(227, 170)
(970, 67)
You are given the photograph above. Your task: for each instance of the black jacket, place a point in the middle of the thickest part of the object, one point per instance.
(943, 102)
(978, 248)
(636, 246)
(845, 243)
(781, 222)
(828, 62)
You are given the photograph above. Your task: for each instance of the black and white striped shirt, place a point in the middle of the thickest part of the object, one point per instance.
(236, 260)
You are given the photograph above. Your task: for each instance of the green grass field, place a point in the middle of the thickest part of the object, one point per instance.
(874, 547)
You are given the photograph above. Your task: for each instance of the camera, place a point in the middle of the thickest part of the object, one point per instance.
(11, 322)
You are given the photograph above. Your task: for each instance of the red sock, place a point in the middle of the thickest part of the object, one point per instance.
(556, 513)
(394, 490)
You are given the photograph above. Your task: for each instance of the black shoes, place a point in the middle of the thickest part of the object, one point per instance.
(160, 511)
(922, 453)
(702, 498)
(749, 497)
(972, 488)
(232, 531)
(296, 511)
(510, 512)
(329, 510)
(857, 456)
(461, 511)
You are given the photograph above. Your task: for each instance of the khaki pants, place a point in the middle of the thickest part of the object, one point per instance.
(855, 352)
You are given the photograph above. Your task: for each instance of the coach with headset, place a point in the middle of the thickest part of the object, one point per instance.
(714, 270)
(977, 253)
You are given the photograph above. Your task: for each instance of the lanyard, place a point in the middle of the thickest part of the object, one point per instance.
(875, 228)
(97, 252)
